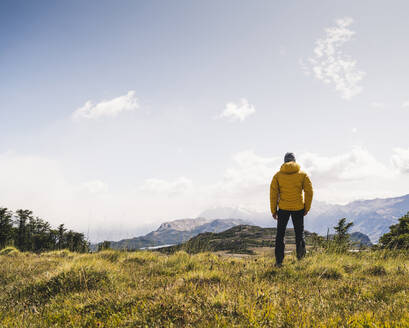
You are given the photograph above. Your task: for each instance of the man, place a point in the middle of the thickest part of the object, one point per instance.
(286, 191)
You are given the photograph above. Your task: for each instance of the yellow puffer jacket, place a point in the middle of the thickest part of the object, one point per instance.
(286, 189)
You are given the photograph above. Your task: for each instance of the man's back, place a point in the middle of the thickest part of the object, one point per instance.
(286, 191)
(287, 186)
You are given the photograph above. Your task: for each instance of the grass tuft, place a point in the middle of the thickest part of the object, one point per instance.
(327, 273)
(376, 270)
(77, 279)
(10, 251)
(65, 253)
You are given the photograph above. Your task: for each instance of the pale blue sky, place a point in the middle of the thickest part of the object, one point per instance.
(173, 155)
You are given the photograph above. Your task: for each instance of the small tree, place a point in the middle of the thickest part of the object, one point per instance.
(341, 242)
(342, 236)
(398, 236)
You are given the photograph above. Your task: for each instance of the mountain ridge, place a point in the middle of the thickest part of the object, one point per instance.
(176, 232)
(372, 217)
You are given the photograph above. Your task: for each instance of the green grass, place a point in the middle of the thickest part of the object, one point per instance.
(149, 289)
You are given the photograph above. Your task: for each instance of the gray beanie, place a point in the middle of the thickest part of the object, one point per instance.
(289, 157)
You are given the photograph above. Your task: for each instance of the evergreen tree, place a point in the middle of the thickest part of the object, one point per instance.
(341, 242)
(342, 235)
(398, 236)
(69, 237)
(6, 227)
(40, 235)
(61, 236)
(23, 233)
(79, 243)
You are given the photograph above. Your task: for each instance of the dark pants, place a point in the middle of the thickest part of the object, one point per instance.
(298, 222)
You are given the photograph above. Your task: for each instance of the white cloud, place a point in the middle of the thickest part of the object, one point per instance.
(238, 111)
(356, 174)
(405, 104)
(400, 160)
(249, 171)
(331, 65)
(244, 183)
(283, 50)
(177, 186)
(304, 67)
(376, 104)
(354, 130)
(95, 186)
(340, 178)
(107, 108)
(356, 165)
(25, 180)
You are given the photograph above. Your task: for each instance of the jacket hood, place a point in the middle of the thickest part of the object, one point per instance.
(290, 168)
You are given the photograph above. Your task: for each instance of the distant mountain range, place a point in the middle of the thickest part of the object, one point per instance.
(176, 232)
(371, 217)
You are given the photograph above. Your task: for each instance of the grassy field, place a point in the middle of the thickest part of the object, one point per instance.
(149, 289)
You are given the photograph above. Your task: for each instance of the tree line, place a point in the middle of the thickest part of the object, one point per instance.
(28, 233)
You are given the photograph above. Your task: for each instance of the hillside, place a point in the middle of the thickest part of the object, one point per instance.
(239, 239)
(113, 289)
(176, 232)
(360, 238)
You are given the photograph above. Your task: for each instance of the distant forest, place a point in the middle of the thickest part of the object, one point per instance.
(28, 233)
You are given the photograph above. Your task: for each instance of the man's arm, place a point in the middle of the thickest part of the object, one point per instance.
(308, 193)
(274, 195)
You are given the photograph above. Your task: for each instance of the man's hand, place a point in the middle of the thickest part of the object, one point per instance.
(305, 213)
(275, 216)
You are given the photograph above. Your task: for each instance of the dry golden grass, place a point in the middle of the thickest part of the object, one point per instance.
(148, 289)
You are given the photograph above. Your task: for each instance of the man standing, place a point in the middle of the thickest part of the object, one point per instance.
(286, 191)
